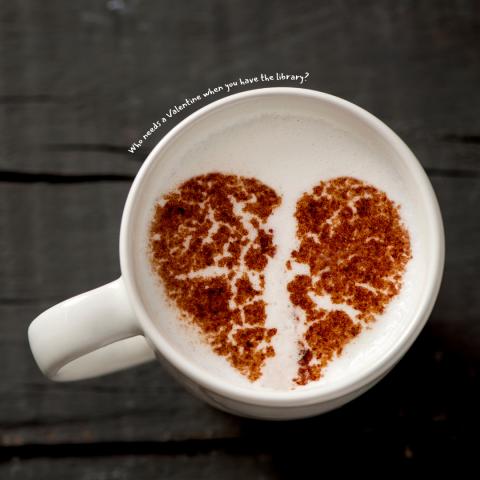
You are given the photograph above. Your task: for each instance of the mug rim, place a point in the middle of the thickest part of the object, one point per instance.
(350, 383)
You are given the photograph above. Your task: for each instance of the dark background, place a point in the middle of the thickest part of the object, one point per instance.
(79, 82)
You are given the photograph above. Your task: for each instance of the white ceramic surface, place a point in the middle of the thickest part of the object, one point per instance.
(109, 329)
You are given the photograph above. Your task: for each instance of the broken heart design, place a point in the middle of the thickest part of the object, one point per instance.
(209, 245)
(356, 247)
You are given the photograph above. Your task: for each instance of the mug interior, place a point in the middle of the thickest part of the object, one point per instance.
(313, 105)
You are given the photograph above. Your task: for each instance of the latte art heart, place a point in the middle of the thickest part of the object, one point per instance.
(259, 276)
(356, 247)
(209, 246)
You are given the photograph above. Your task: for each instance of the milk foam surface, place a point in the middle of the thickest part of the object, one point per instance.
(290, 154)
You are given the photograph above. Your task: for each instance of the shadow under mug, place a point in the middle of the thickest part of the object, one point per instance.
(109, 328)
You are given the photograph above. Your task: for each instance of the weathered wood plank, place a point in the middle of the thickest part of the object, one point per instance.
(422, 419)
(92, 77)
(146, 467)
(59, 240)
(457, 312)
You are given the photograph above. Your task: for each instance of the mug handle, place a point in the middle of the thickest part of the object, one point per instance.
(89, 335)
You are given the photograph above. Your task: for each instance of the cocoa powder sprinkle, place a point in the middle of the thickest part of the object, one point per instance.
(197, 228)
(352, 238)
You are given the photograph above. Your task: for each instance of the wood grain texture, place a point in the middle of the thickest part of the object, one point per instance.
(421, 420)
(211, 466)
(79, 82)
(86, 75)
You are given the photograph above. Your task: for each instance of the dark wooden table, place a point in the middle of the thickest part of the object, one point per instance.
(80, 82)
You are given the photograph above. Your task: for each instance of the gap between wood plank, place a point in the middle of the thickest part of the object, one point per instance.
(95, 147)
(24, 99)
(455, 138)
(21, 177)
(186, 447)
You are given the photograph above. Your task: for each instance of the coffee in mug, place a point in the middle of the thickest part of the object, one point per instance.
(280, 251)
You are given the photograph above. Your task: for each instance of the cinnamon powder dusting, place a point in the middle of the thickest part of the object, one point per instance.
(208, 247)
(356, 248)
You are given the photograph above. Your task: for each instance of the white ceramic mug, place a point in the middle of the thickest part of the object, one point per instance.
(109, 329)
